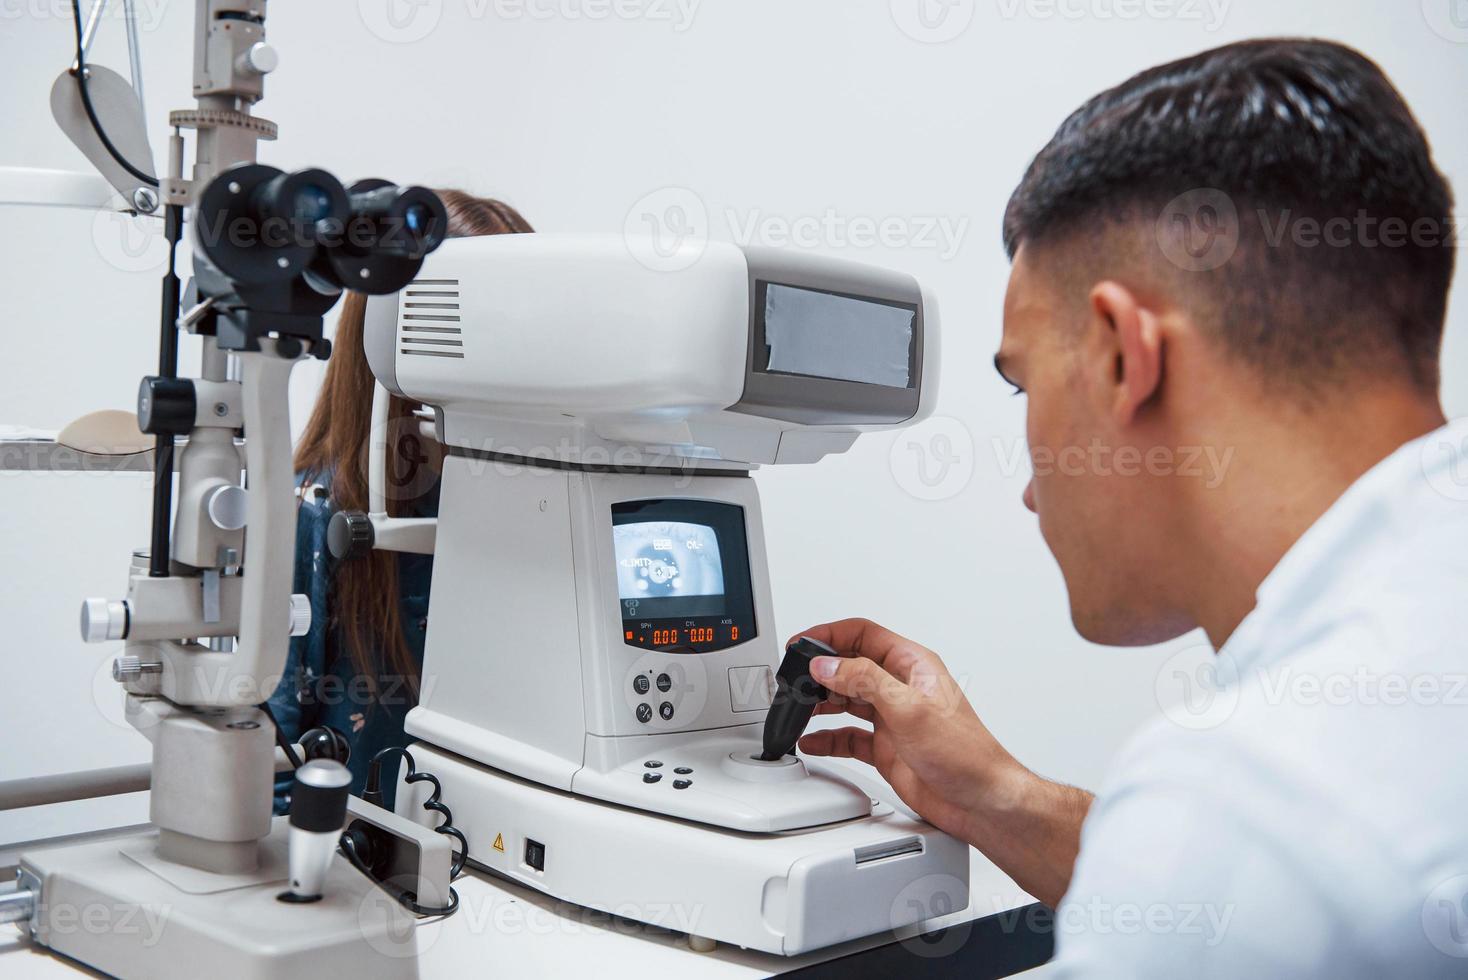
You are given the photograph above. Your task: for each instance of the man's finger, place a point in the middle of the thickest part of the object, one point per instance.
(861, 679)
(841, 743)
(858, 709)
(862, 637)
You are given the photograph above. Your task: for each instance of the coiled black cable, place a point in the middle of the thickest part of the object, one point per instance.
(372, 793)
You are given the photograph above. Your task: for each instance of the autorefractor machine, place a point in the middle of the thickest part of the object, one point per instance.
(601, 645)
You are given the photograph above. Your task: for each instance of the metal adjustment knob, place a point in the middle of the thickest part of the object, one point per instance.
(226, 507)
(103, 620)
(126, 668)
(259, 58)
(300, 614)
(350, 535)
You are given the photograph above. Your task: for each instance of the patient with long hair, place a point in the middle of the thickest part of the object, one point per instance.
(359, 669)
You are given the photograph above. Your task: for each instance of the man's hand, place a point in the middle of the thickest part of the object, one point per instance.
(931, 747)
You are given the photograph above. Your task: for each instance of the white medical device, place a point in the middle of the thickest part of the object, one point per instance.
(601, 638)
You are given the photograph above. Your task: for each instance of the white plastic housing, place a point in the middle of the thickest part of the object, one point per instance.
(569, 348)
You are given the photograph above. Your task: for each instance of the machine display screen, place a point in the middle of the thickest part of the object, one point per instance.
(682, 574)
(670, 566)
(842, 338)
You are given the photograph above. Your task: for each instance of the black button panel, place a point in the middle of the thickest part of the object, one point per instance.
(665, 683)
(644, 713)
(665, 710)
(654, 764)
(682, 783)
(640, 684)
(651, 777)
(681, 770)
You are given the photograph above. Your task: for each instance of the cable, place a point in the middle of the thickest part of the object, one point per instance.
(280, 739)
(404, 898)
(81, 83)
(372, 793)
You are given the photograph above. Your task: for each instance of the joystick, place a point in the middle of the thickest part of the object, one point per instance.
(796, 697)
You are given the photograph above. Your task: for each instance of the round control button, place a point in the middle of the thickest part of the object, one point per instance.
(665, 683)
(682, 783)
(683, 770)
(652, 777)
(666, 710)
(640, 684)
(653, 764)
(644, 713)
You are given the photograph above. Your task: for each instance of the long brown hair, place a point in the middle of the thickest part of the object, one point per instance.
(364, 593)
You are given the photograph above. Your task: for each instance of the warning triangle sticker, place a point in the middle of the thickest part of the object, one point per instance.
(499, 843)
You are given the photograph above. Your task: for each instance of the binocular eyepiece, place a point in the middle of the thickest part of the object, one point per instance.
(258, 226)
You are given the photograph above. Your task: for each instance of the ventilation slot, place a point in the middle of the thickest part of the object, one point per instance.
(902, 847)
(428, 319)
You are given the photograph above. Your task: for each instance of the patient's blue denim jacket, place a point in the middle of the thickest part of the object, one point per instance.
(319, 685)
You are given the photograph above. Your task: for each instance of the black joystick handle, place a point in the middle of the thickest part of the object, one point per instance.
(796, 697)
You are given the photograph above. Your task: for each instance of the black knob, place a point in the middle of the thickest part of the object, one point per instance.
(166, 406)
(349, 535)
(326, 743)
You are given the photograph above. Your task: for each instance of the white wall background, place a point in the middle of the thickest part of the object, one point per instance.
(765, 112)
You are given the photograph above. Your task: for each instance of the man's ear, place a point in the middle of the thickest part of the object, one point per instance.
(1132, 337)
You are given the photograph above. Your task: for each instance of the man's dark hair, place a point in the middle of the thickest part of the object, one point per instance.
(1289, 135)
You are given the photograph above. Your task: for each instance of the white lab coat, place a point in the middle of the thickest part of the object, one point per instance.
(1306, 814)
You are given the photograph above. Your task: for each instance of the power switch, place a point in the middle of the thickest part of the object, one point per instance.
(535, 854)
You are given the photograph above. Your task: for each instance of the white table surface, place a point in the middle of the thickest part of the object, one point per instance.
(506, 929)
